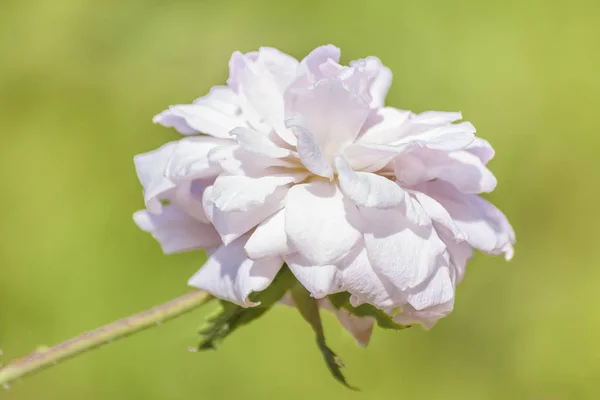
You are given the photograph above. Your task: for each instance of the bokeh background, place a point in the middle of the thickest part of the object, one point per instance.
(79, 84)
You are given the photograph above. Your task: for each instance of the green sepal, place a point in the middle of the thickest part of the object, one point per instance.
(309, 309)
(230, 316)
(342, 300)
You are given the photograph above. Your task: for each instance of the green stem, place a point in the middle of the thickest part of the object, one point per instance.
(42, 359)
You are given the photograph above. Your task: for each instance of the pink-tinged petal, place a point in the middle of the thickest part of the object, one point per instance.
(282, 66)
(202, 117)
(243, 193)
(187, 196)
(439, 214)
(318, 279)
(151, 169)
(482, 149)
(360, 328)
(467, 173)
(269, 239)
(402, 251)
(333, 114)
(176, 231)
(233, 224)
(438, 289)
(230, 275)
(371, 157)
(427, 317)
(308, 149)
(380, 79)
(445, 138)
(384, 125)
(486, 227)
(189, 159)
(321, 55)
(462, 169)
(170, 120)
(258, 143)
(357, 276)
(222, 99)
(320, 222)
(460, 253)
(367, 189)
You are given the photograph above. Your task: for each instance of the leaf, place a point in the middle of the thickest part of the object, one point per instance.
(342, 300)
(231, 316)
(309, 309)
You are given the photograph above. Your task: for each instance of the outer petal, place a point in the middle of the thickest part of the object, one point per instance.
(439, 214)
(176, 231)
(243, 193)
(320, 222)
(384, 125)
(359, 327)
(233, 224)
(269, 239)
(230, 275)
(438, 289)
(403, 252)
(318, 279)
(462, 169)
(426, 317)
(486, 227)
(358, 277)
(151, 168)
(200, 117)
(190, 158)
(367, 189)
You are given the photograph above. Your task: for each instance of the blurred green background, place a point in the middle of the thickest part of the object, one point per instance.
(79, 84)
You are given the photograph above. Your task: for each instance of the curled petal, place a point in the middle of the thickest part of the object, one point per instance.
(150, 169)
(229, 275)
(243, 193)
(176, 231)
(366, 189)
(333, 113)
(486, 227)
(258, 142)
(308, 149)
(200, 117)
(189, 158)
(426, 317)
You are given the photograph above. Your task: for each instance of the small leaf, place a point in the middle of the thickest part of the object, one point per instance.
(231, 316)
(309, 309)
(342, 300)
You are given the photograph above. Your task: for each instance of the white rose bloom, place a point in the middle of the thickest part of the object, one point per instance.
(300, 163)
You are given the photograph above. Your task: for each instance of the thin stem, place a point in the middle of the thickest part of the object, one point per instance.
(107, 334)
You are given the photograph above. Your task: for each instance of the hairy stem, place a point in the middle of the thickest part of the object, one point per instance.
(107, 334)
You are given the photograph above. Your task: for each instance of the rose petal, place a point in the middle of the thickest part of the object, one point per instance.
(176, 231)
(269, 239)
(233, 224)
(402, 251)
(230, 275)
(320, 222)
(367, 189)
(150, 169)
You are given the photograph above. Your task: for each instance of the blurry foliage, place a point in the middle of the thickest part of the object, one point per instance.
(79, 84)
